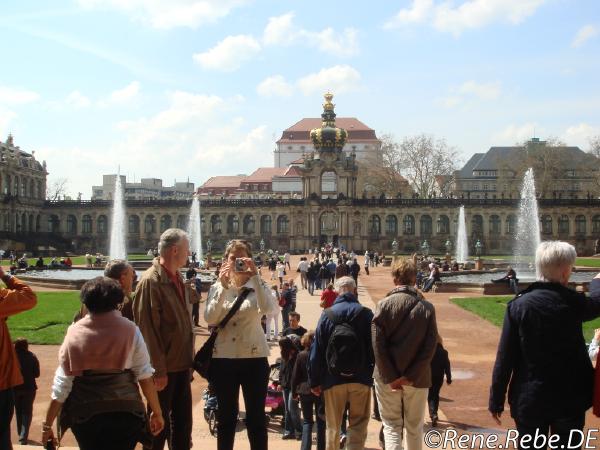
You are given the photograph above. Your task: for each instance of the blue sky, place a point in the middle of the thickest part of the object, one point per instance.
(190, 89)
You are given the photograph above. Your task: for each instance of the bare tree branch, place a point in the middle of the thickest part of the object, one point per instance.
(56, 189)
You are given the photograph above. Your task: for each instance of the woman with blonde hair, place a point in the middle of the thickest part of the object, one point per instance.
(241, 349)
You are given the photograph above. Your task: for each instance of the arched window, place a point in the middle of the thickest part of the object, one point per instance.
(24, 222)
(31, 189)
(477, 225)
(16, 186)
(165, 223)
(40, 190)
(23, 187)
(408, 224)
(102, 225)
(249, 224)
(134, 224)
(329, 182)
(282, 225)
(580, 224)
(426, 225)
(71, 224)
(596, 224)
(8, 184)
(150, 224)
(233, 224)
(31, 226)
(215, 224)
(375, 224)
(443, 224)
(511, 224)
(86, 224)
(265, 224)
(546, 224)
(182, 222)
(495, 225)
(563, 224)
(53, 224)
(38, 223)
(391, 225)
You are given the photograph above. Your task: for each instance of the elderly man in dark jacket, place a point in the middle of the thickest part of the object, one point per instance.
(339, 389)
(542, 356)
(404, 337)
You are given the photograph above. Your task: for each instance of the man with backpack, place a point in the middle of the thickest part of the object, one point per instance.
(341, 366)
(405, 337)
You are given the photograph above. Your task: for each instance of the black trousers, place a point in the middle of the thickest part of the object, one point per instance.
(176, 404)
(115, 431)
(227, 376)
(433, 398)
(196, 313)
(561, 426)
(7, 407)
(24, 412)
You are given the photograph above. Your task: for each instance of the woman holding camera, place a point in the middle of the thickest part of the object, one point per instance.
(241, 349)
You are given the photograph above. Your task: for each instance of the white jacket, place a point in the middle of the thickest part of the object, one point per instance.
(243, 336)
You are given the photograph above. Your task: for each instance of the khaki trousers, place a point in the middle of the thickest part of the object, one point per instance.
(358, 396)
(399, 410)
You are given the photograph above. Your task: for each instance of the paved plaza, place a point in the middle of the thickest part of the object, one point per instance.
(470, 341)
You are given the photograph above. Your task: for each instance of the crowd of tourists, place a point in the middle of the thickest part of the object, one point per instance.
(387, 363)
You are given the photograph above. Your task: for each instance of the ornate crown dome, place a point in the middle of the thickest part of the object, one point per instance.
(328, 137)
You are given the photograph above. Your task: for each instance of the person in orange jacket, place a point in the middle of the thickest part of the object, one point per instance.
(15, 298)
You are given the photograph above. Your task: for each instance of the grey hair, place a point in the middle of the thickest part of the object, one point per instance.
(115, 268)
(170, 238)
(346, 283)
(552, 256)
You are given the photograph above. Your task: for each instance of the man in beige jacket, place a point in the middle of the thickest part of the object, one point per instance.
(404, 334)
(161, 312)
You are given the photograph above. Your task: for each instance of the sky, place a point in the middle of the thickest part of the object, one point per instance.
(189, 89)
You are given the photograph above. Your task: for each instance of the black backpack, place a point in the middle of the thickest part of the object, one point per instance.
(345, 353)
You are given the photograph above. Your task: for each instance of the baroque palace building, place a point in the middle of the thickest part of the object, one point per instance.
(329, 209)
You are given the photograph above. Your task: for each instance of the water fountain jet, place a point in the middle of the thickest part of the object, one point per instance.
(117, 230)
(528, 224)
(194, 229)
(462, 245)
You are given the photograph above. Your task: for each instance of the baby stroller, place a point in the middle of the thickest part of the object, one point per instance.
(210, 409)
(274, 399)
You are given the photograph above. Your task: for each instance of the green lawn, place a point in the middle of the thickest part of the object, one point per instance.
(80, 260)
(492, 309)
(588, 262)
(48, 321)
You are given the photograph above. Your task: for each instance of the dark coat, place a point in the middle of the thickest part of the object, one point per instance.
(440, 366)
(346, 305)
(30, 369)
(543, 355)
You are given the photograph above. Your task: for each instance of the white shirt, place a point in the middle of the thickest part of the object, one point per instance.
(138, 361)
(303, 266)
(593, 350)
(280, 270)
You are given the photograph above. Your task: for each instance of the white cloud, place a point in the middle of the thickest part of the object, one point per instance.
(514, 134)
(584, 34)
(470, 14)
(338, 79)
(282, 30)
(169, 14)
(77, 100)
(417, 13)
(580, 134)
(126, 94)
(17, 96)
(472, 89)
(229, 54)
(274, 86)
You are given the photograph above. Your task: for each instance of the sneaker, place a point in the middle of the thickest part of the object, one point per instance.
(288, 436)
(342, 441)
(434, 421)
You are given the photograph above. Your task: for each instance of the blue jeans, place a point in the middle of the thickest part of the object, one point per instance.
(311, 286)
(310, 403)
(285, 316)
(292, 414)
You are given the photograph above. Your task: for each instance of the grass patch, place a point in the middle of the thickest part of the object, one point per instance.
(493, 308)
(48, 321)
(588, 262)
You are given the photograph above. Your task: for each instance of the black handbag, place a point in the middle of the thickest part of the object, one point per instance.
(204, 355)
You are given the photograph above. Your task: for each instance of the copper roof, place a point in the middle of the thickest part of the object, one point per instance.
(300, 131)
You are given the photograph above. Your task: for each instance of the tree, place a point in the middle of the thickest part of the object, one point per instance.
(56, 189)
(378, 173)
(422, 158)
(594, 143)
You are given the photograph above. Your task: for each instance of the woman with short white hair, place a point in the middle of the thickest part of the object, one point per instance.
(542, 352)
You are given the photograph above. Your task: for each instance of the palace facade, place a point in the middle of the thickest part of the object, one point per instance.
(329, 209)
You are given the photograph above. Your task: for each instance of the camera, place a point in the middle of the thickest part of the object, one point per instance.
(240, 265)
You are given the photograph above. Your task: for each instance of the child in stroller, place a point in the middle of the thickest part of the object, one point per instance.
(274, 399)
(210, 409)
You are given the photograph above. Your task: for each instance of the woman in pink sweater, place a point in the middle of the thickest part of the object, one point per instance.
(102, 360)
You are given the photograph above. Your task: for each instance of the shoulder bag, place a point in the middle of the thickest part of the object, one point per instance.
(204, 355)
